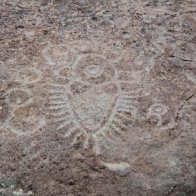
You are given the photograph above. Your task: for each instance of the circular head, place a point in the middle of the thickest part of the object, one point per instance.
(94, 69)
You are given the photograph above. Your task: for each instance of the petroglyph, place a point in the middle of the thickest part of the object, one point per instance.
(19, 97)
(93, 99)
(25, 117)
(117, 167)
(98, 93)
(158, 110)
(23, 111)
(97, 100)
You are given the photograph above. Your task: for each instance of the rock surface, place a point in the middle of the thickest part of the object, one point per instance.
(97, 98)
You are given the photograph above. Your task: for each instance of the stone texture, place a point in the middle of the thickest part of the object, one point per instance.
(97, 97)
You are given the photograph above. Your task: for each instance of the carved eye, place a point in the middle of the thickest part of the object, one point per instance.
(93, 71)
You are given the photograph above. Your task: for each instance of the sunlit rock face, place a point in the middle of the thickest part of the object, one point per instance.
(97, 97)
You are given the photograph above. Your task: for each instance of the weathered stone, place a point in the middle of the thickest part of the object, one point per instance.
(97, 97)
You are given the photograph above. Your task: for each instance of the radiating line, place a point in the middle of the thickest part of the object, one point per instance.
(57, 99)
(55, 87)
(116, 131)
(52, 107)
(66, 123)
(57, 94)
(130, 96)
(106, 136)
(124, 109)
(57, 104)
(120, 124)
(71, 131)
(64, 118)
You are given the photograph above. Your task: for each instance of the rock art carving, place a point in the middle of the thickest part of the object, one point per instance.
(158, 110)
(95, 103)
(19, 97)
(98, 93)
(23, 111)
